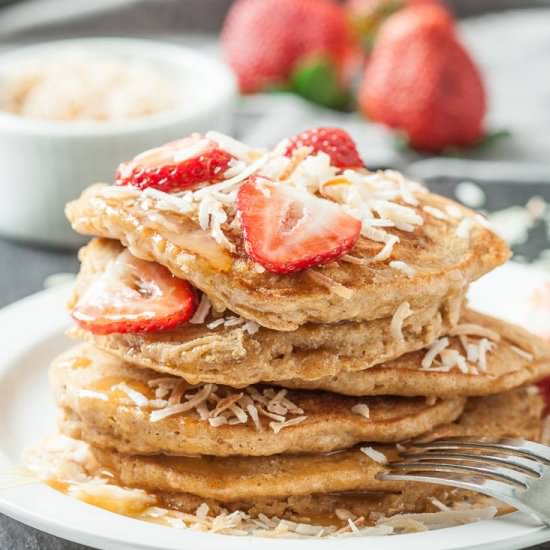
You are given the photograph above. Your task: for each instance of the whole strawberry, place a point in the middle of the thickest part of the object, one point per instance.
(306, 46)
(421, 80)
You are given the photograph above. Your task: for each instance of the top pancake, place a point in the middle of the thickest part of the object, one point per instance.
(442, 255)
(234, 356)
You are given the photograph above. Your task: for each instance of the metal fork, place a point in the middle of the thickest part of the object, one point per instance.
(513, 471)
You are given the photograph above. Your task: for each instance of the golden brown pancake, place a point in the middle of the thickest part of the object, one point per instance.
(334, 509)
(96, 394)
(444, 258)
(513, 414)
(232, 356)
(519, 358)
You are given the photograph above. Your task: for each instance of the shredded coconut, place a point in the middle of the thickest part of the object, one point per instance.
(226, 406)
(396, 326)
(202, 311)
(404, 267)
(234, 147)
(471, 329)
(375, 455)
(362, 410)
(522, 353)
(433, 351)
(215, 324)
(138, 398)
(330, 284)
(278, 426)
(435, 212)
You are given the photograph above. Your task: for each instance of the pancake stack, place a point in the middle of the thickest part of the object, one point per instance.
(284, 395)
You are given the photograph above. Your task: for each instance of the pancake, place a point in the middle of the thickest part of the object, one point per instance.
(335, 509)
(68, 465)
(113, 405)
(436, 259)
(513, 414)
(519, 358)
(233, 356)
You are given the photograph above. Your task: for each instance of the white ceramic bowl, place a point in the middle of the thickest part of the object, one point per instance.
(44, 164)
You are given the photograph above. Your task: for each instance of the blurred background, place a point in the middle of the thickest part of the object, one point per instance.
(457, 95)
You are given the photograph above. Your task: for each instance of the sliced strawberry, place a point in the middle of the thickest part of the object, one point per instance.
(176, 166)
(335, 142)
(133, 295)
(287, 230)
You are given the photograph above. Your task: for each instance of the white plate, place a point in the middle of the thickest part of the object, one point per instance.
(32, 334)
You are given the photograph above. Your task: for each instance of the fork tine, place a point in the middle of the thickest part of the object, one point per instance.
(516, 447)
(487, 471)
(524, 465)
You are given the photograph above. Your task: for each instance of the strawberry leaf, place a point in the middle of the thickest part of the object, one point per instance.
(316, 79)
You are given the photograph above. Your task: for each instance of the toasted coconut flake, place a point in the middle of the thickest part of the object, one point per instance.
(522, 353)
(158, 403)
(387, 250)
(353, 527)
(435, 212)
(278, 426)
(452, 358)
(181, 204)
(177, 392)
(215, 324)
(224, 404)
(202, 511)
(344, 515)
(234, 147)
(192, 402)
(471, 329)
(438, 504)
(251, 327)
(277, 417)
(361, 409)
(233, 322)
(138, 398)
(240, 415)
(217, 421)
(330, 284)
(202, 311)
(231, 182)
(472, 353)
(404, 267)
(396, 327)
(454, 211)
(484, 347)
(354, 260)
(375, 455)
(434, 350)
